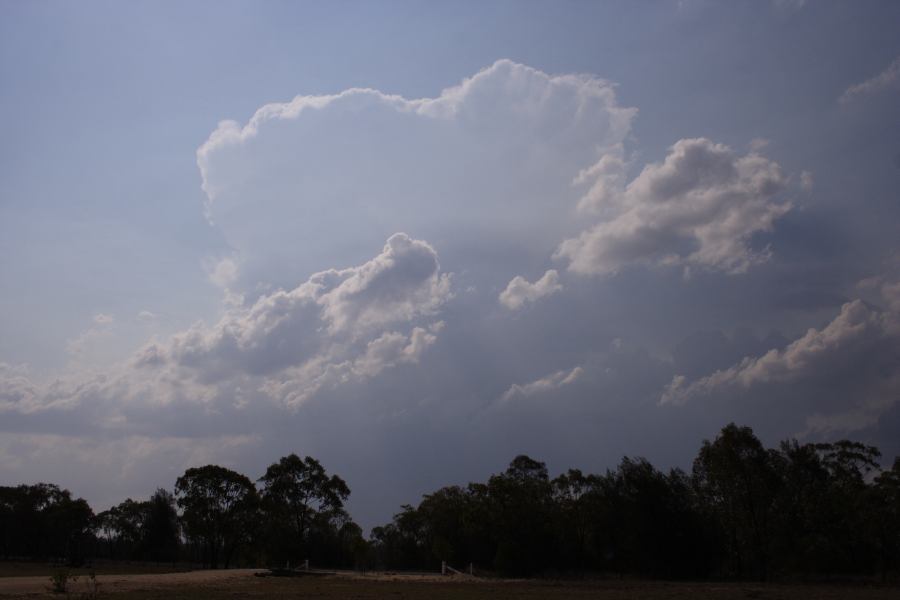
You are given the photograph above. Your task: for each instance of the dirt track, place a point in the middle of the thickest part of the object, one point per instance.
(18, 586)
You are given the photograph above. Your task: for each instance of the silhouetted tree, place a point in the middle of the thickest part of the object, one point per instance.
(575, 497)
(124, 527)
(160, 539)
(800, 512)
(43, 520)
(809, 510)
(298, 495)
(520, 503)
(219, 510)
(737, 482)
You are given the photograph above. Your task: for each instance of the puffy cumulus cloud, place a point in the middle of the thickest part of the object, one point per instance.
(319, 321)
(858, 348)
(388, 350)
(543, 385)
(487, 162)
(605, 180)
(701, 206)
(887, 79)
(339, 325)
(803, 357)
(103, 319)
(151, 355)
(520, 291)
(400, 284)
(393, 348)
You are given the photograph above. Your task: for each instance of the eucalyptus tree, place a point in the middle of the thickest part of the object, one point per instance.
(737, 481)
(219, 510)
(160, 540)
(297, 495)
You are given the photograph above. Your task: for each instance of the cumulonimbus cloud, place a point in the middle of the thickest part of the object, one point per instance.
(700, 207)
(487, 162)
(494, 172)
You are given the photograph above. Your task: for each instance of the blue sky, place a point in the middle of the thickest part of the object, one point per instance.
(711, 236)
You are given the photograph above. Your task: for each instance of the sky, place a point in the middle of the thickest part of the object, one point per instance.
(414, 240)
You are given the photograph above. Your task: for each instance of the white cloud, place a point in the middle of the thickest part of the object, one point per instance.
(223, 273)
(855, 347)
(487, 162)
(299, 384)
(393, 348)
(338, 326)
(400, 284)
(700, 207)
(607, 182)
(543, 385)
(889, 78)
(322, 317)
(146, 315)
(151, 355)
(103, 319)
(519, 291)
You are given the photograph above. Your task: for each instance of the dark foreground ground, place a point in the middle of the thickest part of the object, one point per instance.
(222, 585)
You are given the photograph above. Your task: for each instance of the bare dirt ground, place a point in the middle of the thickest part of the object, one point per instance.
(102, 567)
(114, 584)
(242, 583)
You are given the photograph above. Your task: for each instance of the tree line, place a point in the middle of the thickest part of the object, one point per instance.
(743, 511)
(215, 518)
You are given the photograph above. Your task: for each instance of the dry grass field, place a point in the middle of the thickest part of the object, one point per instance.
(228, 585)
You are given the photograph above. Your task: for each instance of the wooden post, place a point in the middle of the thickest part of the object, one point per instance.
(306, 565)
(443, 567)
